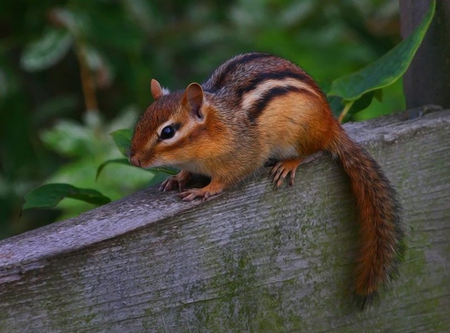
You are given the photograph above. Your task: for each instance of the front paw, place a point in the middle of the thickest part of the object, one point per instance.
(177, 181)
(169, 184)
(215, 187)
(193, 193)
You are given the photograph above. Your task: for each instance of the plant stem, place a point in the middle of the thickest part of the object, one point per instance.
(87, 80)
(344, 112)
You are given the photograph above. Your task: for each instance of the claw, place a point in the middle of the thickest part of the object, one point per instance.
(179, 180)
(292, 178)
(187, 196)
(275, 169)
(282, 169)
(204, 193)
(167, 185)
(193, 193)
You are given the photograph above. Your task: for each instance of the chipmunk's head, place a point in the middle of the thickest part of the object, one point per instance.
(167, 132)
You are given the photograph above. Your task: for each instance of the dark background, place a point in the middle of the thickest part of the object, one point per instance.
(71, 72)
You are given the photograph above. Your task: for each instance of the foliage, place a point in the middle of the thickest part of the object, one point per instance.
(86, 146)
(122, 139)
(49, 195)
(381, 73)
(88, 62)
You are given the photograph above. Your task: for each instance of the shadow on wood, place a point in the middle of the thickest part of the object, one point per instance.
(252, 260)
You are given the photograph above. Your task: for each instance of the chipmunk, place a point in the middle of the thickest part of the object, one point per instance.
(256, 107)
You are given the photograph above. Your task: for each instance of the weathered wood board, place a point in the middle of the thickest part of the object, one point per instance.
(252, 260)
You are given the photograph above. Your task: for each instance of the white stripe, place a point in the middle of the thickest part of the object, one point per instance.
(184, 131)
(152, 136)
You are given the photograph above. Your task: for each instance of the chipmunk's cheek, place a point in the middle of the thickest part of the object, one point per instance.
(174, 158)
(151, 163)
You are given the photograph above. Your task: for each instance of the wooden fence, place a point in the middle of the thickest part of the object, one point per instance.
(251, 260)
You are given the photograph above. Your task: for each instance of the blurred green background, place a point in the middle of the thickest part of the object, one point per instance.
(71, 72)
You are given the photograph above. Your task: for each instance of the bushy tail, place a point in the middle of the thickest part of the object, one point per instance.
(381, 233)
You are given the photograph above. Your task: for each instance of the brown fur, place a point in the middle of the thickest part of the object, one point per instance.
(379, 215)
(255, 107)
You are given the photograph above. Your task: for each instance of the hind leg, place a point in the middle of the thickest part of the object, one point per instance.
(284, 168)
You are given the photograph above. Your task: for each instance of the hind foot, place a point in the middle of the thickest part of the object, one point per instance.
(284, 168)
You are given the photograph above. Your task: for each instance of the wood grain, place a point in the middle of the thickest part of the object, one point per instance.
(252, 260)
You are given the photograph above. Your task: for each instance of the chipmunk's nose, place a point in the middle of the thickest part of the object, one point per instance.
(135, 160)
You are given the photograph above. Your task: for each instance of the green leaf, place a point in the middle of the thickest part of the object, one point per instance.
(75, 21)
(362, 103)
(122, 139)
(100, 168)
(69, 138)
(378, 94)
(46, 51)
(336, 104)
(169, 171)
(125, 161)
(50, 195)
(384, 71)
(57, 106)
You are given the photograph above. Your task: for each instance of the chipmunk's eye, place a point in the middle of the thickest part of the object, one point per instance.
(167, 132)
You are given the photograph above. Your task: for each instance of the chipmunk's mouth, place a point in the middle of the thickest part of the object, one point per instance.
(138, 161)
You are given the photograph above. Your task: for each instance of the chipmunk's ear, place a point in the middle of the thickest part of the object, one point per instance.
(156, 89)
(193, 99)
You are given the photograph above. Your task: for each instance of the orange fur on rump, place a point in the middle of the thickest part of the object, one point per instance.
(305, 128)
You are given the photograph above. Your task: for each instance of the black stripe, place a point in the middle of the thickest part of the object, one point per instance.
(254, 82)
(231, 65)
(259, 106)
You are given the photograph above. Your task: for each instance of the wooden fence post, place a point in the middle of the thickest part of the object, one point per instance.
(427, 80)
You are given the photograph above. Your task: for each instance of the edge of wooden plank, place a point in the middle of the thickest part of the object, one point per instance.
(31, 250)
